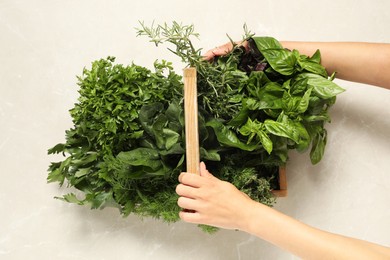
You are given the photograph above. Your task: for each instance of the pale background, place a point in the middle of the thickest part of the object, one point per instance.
(45, 44)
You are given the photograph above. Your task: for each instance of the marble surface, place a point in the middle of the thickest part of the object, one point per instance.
(45, 44)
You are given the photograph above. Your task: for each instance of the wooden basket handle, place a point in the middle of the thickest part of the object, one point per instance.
(191, 120)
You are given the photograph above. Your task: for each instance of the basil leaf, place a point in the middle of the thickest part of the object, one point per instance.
(228, 137)
(313, 67)
(312, 64)
(315, 118)
(304, 102)
(265, 141)
(265, 43)
(322, 87)
(316, 57)
(258, 78)
(281, 60)
(241, 116)
(250, 127)
(290, 103)
(281, 129)
(270, 96)
(318, 147)
(298, 86)
(304, 137)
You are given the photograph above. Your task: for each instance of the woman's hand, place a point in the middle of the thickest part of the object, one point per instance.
(223, 49)
(208, 200)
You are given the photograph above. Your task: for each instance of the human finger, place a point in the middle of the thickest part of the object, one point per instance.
(191, 217)
(209, 55)
(187, 203)
(186, 191)
(203, 170)
(218, 51)
(190, 179)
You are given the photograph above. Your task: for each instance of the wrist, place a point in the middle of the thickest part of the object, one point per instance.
(250, 216)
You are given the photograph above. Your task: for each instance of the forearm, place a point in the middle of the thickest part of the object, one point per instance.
(305, 241)
(367, 63)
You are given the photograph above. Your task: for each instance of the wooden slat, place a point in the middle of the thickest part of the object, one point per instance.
(282, 192)
(191, 120)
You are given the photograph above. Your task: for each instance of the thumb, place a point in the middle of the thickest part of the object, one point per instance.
(203, 171)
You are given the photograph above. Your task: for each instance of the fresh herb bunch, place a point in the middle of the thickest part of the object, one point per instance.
(127, 145)
(267, 100)
(115, 152)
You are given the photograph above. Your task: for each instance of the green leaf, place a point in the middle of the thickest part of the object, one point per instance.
(71, 198)
(171, 138)
(304, 137)
(322, 87)
(281, 60)
(250, 127)
(290, 103)
(313, 67)
(318, 147)
(81, 172)
(175, 149)
(258, 78)
(99, 200)
(55, 175)
(210, 155)
(181, 161)
(241, 116)
(227, 137)
(316, 57)
(265, 141)
(174, 113)
(58, 148)
(141, 156)
(255, 128)
(304, 102)
(147, 115)
(282, 129)
(88, 158)
(298, 86)
(270, 96)
(110, 124)
(265, 43)
(315, 118)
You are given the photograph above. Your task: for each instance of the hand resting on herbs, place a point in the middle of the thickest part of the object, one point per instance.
(361, 62)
